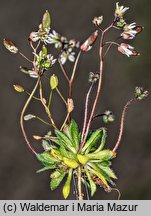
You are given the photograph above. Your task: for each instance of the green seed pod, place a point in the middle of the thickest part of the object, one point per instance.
(44, 50)
(70, 163)
(53, 81)
(10, 46)
(46, 21)
(102, 155)
(18, 88)
(83, 159)
(66, 187)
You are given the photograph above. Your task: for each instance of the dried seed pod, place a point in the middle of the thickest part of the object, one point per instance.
(10, 46)
(70, 105)
(87, 45)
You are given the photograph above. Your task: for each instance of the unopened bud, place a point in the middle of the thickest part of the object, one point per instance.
(37, 137)
(18, 88)
(29, 116)
(140, 93)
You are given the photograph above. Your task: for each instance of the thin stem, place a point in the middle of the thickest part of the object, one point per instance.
(61, 96)
(67, 116)
(109, 47)
(25, 57)
(63, 70)
(36, 98)
(45, 106)
(122, 124)
(75, 187)
(73, 74)
(112, 43)
(80, 195)
(50, 98)
(99, 84)
(22, 117)
(86, 188)
(86, 111)
(43, 121)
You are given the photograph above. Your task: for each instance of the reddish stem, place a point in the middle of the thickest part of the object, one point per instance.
(122, 124)
(86, 111)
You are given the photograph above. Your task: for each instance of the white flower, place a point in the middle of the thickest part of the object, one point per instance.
(67, 55)
(128, 50)
(120, 10)
(131, 30)
(40, 35)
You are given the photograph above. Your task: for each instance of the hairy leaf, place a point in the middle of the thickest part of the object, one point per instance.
(103, 140)
(70, 163)
(66, 187)
(49, 167)
(102, 155)
(91, 182)
(93, 139)
(74, 134)
(64, 140)
(46, 158)
(108, 171)
(55, 182)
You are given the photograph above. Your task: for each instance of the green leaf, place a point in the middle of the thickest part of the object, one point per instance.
(105, 163)
(57, 173)
(46, 168)
(103, 140)
(92, 184)
(46, 158)
(108, 171)
(66, 153)
(74, 134)
(102, 155)
(55, 182)
(95, 170)
(46, 21)
(66, 187)
(55, 140)
(70, 163)
(94, 138)
(64, 140)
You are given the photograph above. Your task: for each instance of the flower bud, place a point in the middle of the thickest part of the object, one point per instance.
(18, 88)
(98, 20)
(10, 46)
(140, 93)
(108, 117)
(87, 45)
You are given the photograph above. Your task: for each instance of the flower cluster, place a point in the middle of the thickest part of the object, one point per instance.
(66, 46)
(129, 31)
